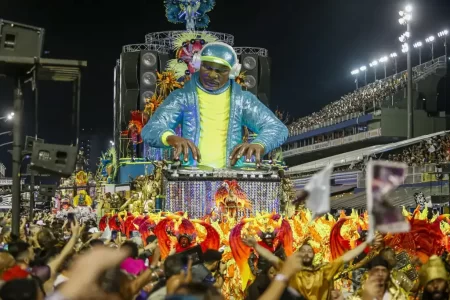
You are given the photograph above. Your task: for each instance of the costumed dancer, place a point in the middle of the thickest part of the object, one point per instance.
(256, 263)
(312, 282)
(434, 279)
(178, 234)
(212, 109)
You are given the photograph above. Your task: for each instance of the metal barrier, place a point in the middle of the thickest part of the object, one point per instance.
(419, 174)
(336, 142)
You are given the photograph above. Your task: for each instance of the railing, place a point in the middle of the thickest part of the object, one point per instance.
(333, 143)
(419, 174)
(419, 73)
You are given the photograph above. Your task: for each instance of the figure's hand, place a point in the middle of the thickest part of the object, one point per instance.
(248, 150)
(249, 241)
(182, 145)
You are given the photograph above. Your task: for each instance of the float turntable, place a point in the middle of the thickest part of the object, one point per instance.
(193, 189)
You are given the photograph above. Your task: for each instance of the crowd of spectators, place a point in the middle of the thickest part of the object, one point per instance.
(435, 150)
(360, 101)
(432, 151)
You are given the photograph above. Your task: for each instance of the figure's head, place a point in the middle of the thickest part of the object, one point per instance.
(306, 254)
(217, 63)
(433, 276)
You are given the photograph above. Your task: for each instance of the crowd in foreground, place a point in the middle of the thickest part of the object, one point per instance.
(360, 101)
(55, 260)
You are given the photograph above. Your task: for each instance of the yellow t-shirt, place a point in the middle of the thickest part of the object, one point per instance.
(214, 118)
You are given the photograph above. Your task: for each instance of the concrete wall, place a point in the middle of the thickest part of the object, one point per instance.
(394, 123)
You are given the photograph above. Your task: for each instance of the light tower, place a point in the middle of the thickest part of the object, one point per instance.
(405, 19)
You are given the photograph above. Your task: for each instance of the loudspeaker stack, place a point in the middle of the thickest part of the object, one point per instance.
(256, 65)
(138, 80)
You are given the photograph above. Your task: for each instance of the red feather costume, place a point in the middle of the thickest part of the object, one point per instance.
(178, 227)
(282, 237)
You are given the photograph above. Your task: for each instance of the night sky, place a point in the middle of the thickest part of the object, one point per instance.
(313, 44)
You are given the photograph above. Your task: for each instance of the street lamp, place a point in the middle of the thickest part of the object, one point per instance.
(444, 34)
(8, 117)
(355, 73)
(430, 40)
(364, 69)
(406, 19)
(112, 143)
(394, 56)
(384, 60)
(418, 45)
(374, 65)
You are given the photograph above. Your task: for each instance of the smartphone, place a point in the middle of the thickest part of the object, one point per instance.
(71, 218)
(113, 235)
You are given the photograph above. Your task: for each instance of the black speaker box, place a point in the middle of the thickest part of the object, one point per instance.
(20, 40)
(150, 63)
(265, 66)
(250, 66)
(30, 141)
(138, 80)
(257, 75)
(51, 158)
(47, 190)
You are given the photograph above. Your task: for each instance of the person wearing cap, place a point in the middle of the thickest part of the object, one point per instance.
(203, 273)
(433, 277)
(212, 110)
(379, 284)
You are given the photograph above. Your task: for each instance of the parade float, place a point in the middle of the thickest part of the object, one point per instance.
(141, 190)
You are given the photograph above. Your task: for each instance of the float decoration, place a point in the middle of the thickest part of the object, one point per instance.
(108, 166)
(231, 198)
(190, 12)
(185, 46)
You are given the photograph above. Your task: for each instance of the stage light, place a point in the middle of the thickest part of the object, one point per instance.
(418, 45)
(393, 55)
(443, 33)
(363, 68)
(429, 39)
(354, 72)
(405, 48)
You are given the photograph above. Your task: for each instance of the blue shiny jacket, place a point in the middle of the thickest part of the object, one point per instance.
(181, 107)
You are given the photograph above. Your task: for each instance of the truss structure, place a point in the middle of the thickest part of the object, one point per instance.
(252, 50)
(167, 37)
(142, 47)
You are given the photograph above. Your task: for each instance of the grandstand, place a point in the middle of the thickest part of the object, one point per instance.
(371, 116)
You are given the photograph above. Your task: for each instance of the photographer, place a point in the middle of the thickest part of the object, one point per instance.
(203, 273)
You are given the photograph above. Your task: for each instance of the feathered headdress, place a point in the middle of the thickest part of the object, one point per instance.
(185, 46)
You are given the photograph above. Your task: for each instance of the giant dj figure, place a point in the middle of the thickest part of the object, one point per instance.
(212, 109)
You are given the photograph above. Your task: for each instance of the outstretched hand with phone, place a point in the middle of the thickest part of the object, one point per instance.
(183, 278)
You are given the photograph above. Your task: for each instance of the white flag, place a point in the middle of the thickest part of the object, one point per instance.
(318, 188)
